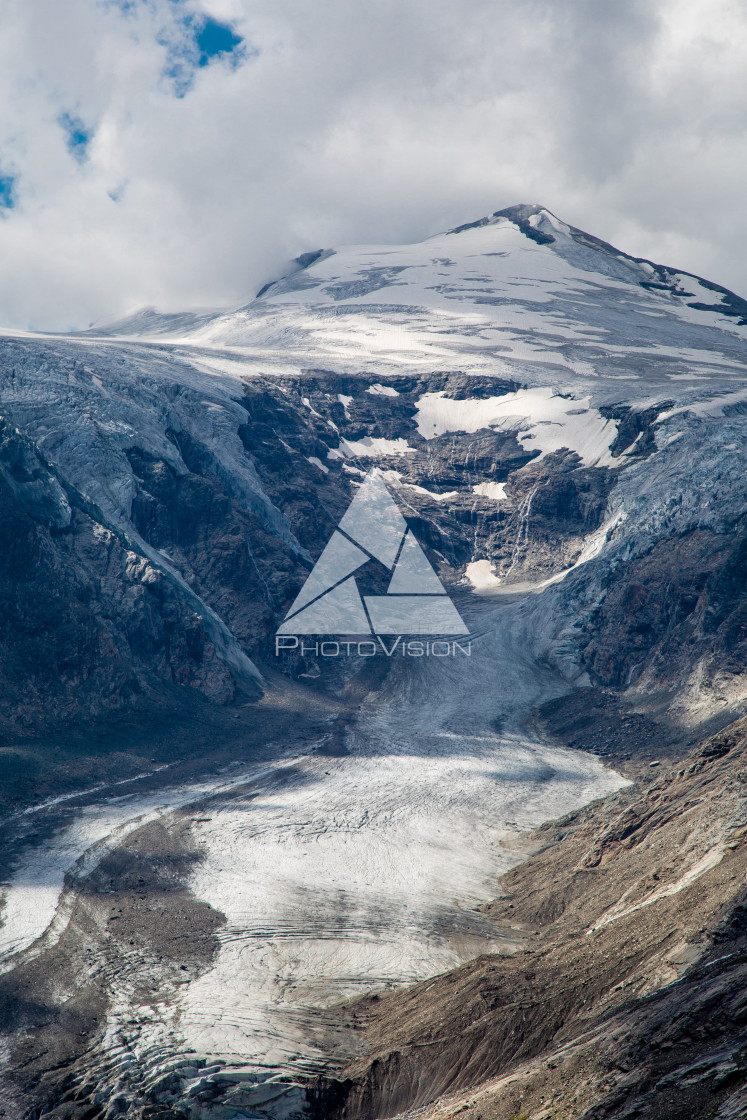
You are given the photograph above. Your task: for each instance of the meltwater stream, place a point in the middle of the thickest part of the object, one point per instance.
(351, 870)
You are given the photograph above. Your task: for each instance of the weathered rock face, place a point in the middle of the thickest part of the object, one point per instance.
(682, 604)
(87, 623)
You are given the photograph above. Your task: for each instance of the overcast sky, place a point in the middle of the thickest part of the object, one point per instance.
(176, 153)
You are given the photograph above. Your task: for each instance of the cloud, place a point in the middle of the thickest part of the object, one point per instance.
(178, 152)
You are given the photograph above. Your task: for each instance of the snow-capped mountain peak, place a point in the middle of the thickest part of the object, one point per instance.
(518, 294)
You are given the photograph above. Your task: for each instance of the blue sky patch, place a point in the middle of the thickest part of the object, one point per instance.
(7, 192)
(214, 39)
(201, 40)
(77, 136)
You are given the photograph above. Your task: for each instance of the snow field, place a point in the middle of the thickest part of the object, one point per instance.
(545, 420)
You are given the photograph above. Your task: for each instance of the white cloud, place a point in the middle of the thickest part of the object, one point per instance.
(355, 122)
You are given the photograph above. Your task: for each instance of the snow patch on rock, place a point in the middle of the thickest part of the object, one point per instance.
(544, 419)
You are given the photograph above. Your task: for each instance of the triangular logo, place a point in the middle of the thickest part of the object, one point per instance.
(413, 575)
(373, 528)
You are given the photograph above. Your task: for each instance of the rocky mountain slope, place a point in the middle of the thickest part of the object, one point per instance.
(574, 386)
(562, 426)
(628, 996)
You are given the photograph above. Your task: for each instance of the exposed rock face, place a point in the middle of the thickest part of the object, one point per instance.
(682, 602)
(206, 540)
(88, 623)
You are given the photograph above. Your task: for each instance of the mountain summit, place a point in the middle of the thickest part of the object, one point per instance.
(507, 293)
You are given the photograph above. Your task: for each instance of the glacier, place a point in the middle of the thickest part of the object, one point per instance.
(362, 862)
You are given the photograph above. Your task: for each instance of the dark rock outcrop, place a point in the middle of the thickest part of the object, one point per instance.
(87, 623)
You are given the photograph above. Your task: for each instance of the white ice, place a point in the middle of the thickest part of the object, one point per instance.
(344, 872)
(371, 447)
(494, 490)
(487, 298)
(480, 575)
(364, 870)
(382, 390)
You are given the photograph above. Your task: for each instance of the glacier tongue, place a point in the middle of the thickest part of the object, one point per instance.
(345, 870)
